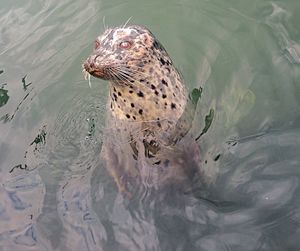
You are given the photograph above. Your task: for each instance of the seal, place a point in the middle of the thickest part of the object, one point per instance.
(148, 110)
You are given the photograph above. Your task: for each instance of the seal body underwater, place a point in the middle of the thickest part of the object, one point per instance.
(148, 111)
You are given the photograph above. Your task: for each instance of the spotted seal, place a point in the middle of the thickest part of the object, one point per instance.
(147, 114)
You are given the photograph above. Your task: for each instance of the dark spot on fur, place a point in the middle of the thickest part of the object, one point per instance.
(140, 94)
(119, 94)
(132, 105)
(164, 96)
(162, 61)
(142, 80)
(140, 111)
(130, 91)
(153, 87)
(166, 163)
(156, 92)
(115, 97)
(164, 82)
(173, 106)
(115, 89)
(134, 117)
(217, 157)
(128, 116)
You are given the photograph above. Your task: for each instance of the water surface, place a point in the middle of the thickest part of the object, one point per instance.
(55, 193)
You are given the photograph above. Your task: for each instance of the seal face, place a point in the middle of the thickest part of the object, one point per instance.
(147, 97)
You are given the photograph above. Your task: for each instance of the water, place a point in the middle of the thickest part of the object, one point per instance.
(55, 193)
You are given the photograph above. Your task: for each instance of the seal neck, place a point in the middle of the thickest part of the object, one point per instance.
(148, 99)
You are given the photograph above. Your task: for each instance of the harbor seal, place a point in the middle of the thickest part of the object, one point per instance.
(148, 110)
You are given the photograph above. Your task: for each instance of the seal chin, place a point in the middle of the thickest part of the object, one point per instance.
(99, 74)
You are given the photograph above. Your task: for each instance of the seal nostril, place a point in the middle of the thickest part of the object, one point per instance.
(86, 66)
(96, 57)
(91, 62)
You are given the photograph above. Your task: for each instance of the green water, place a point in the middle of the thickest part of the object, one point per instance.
(55, 193)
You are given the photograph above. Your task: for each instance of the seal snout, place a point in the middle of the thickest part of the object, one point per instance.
(94, 67)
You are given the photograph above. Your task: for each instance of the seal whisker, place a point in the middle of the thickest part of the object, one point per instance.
(125, 76)
(121, 78)
(128, 79)
(127, 22)
(133, 72)
(89, 78)
(103, 20)
(132, 67)
(113, 75)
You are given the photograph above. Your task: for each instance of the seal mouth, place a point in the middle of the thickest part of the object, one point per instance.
(95, 70)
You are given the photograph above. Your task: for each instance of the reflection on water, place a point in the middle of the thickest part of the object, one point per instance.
(24, 83)
(4, 99)
(3, 93)
(55, 193)
(40, 138)
(3, 96)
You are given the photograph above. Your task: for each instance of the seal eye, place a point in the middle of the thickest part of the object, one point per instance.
(125, 44)
(97, 44)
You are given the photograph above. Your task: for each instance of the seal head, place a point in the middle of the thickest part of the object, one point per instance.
(144, 84)
(118, 51)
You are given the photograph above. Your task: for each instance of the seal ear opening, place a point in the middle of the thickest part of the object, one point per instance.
(146, 39)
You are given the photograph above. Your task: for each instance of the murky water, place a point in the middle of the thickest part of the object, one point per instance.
(55, 193)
